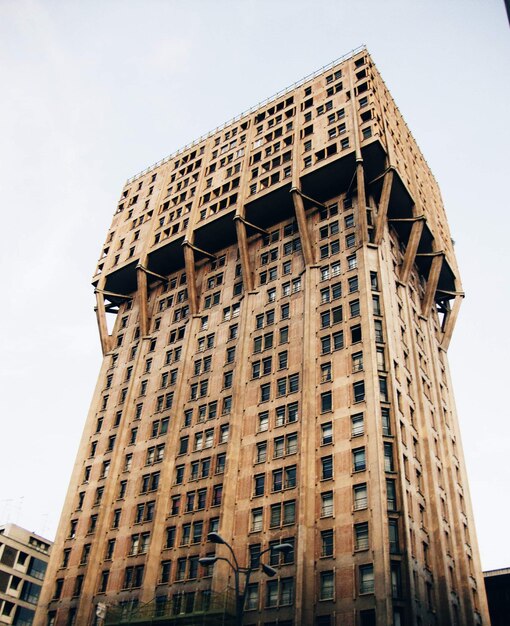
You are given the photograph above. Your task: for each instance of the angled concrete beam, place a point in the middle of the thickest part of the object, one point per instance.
(141, 281)
(189, 262)
(101, 323)
(450, 321)
(244, 254)
(147, 271)
(306, 245)
(432, 281)
(382, 211)
(362, 203)
(412, 248)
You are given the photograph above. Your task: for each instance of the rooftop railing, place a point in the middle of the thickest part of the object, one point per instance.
(252, 109)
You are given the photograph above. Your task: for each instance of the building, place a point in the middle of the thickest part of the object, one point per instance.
(24, 557)
(497, 587)
(284, 292)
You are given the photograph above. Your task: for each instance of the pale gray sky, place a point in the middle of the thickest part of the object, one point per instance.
(94, 91)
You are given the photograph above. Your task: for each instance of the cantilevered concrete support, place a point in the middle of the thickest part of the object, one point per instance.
(141, 280)
(412, 248)
(432, 281)
(306, 244)
(189, 262)
(450, 321)
(382, 211)
(362, 203)
(243, 253)
(101, 323)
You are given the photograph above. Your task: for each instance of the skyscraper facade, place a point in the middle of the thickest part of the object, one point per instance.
(284, 292)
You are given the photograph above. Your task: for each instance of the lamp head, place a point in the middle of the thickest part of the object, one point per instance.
(208, 560)
(283, 547)
(215, 538)
(268, 570)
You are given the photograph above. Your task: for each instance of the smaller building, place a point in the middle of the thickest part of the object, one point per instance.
(497, 586)
(23, 560)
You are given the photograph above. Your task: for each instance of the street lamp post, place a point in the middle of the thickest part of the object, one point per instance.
(238, 570)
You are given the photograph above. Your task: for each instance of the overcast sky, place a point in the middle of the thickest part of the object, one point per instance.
(94, 91)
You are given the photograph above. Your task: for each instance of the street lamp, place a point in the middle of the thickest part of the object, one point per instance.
(237, 569)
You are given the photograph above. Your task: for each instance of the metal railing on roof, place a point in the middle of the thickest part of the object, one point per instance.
(252, 109)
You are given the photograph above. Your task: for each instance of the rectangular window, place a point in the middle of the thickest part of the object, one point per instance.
(366, 579)
(358, 460)
(357, 425)
(326, 467)
(391, 495)
(256, 520)
(327, 585)
(359, 391)
(388, 457)
(327, 504)
(327, 544)
(360, 497)
(361, 536)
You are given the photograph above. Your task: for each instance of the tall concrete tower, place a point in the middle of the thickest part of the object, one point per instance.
(285, 290)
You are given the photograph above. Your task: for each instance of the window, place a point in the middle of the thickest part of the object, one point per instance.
(357, 361)
(360, 496)
(265, 392)
(393, 536)
(326, 467)
(359, 391)
(388, 457)
(366, 579)
(282, 514)
(263, 421)
(116, 518)
(252, 597)
(256, 520)
(160, 427)
(327, 504)
(231, 353)
(325, 372)
(261, 454)
(357, 425)
(284, 478)
(383, 389)
(110, 547)
(326, 433)
(327, 544)
(170, 537)
(326, 402)
(92, 524)
(385, 418)
(376, 305)
(150, 482)
(354, 308)
(356, 334)
(59, 585)
(103, 581)
(139, 543)
(217, 495)
(379, 336)
(358, 460)
(327, 585)
(133, 577)
(381, 362)
(286, 414)
(391, 495)
(361, 536)
(259, 482)
(279, 592)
